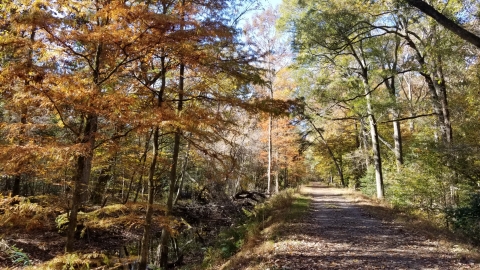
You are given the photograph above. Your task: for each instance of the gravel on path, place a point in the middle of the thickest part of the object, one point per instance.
(339, 234)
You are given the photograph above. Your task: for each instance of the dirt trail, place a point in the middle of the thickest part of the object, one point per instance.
(339, 234)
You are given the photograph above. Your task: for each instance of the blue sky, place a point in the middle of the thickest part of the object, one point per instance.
(272, 2)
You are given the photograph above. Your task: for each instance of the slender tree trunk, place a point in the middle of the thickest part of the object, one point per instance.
(146, 239)
(143, 160)
(17, 179)
(165, 239)
(441, 88)
(397, 138)
(377, 160)
(269, 165)
(182, 176)
(364, 140)
(439, 104)
(151, 193)
(411, 123)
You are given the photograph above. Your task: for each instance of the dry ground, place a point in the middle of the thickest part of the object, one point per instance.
(338, 233)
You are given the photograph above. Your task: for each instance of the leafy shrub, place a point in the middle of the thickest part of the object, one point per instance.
(16, 255)
(367, 182)
(232, 239)
(466, 219)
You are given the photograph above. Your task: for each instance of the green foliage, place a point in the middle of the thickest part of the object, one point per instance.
(367, 182)
(16, 255)
(231, 240)
(466, 219)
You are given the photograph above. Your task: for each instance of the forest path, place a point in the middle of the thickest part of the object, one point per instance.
(338, 234)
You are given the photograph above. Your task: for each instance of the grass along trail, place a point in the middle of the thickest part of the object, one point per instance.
(338, 234)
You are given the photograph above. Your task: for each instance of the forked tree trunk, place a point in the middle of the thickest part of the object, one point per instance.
(377, 160)
(438, 94)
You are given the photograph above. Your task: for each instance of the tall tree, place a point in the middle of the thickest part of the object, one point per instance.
(332, 32)
(262, 34)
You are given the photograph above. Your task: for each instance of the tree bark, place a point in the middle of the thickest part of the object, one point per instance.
(434, 90)
(269, 165)
(149, 213)
(182, 176)
(82, 176)
(377, 159)
(446, 22)
(84, 161)
(99, 190)
(397, 138)
(441, 88)
(165, 239)
(145, 245)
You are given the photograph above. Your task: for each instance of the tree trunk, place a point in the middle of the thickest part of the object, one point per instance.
(441, 88)
(182, 176)
(148, 216)
(397, 138)
(84, 161)
(269, 168)
(145, 245)
(445, 22)
(442, 124)
(82, 176)
(17, 179)
(173, 173)
(99, 190)
(364, 140)
(143, 160)
(377, 160)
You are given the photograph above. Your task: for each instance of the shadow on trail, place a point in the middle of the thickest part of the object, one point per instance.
(347, 238)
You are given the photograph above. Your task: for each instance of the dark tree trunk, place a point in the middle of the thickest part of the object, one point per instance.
(145, 245)
(445, 22)
(438, 96)
(173, 173)
(99, 190)
(82, 176)
(148, 216)
(17, 179)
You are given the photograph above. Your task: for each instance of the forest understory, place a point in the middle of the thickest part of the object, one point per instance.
(32, 232)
